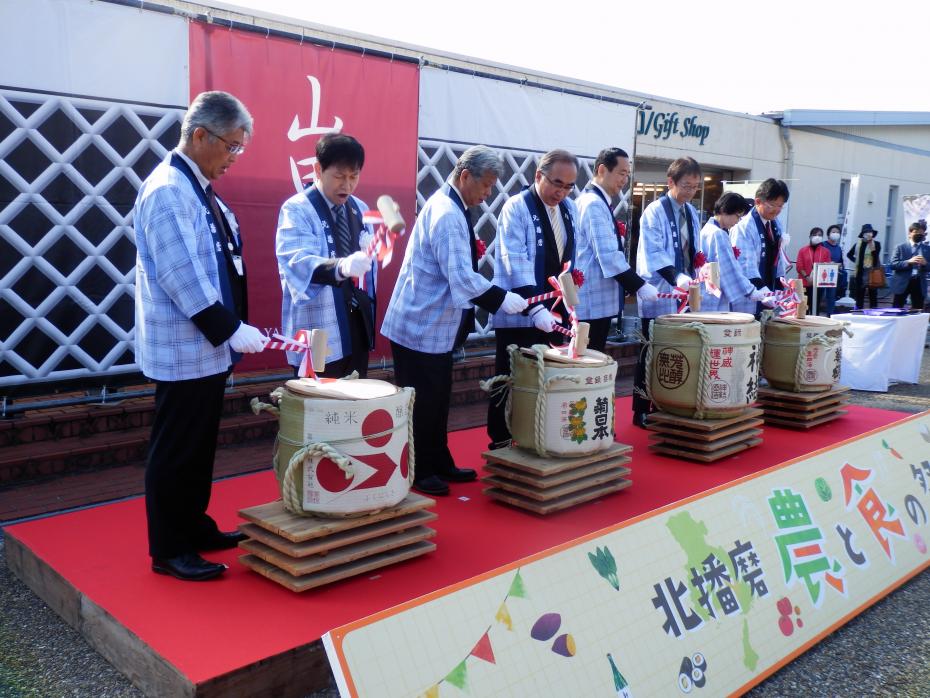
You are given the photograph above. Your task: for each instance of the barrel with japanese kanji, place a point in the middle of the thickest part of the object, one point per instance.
(561, 406)
(704, 365)
(803, 354)
(352, 446)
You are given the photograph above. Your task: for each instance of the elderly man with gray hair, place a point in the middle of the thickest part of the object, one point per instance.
(191, 310)
(535, 239)
(431, 311)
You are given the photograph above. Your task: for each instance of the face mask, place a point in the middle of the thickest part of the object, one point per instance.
(816, 239)
(919, 237)
(867, 236)
(834, 237)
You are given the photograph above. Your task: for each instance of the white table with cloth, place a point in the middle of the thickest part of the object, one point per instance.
(883, 349)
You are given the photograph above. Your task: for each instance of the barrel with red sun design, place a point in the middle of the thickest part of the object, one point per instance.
(364, 420)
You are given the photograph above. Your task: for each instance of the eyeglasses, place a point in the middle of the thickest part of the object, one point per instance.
(567, 186)
(231, 148)
(688, 187)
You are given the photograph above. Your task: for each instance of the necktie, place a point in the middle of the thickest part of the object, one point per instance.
(768, 231)
(558, 232)
(343, 237)
(683, 236)
(219, 217)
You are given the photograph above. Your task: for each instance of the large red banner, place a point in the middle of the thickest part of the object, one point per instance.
(296, 93)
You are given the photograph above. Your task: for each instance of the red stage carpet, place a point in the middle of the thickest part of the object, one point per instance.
(211, 628)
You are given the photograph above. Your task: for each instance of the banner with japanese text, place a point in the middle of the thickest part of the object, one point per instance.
(707, 596)
(296, 93)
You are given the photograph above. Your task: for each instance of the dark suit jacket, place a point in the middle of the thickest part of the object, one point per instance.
(902, 270)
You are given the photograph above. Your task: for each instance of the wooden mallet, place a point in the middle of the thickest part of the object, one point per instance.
(390, 213)
(569, 289)
(798, 286)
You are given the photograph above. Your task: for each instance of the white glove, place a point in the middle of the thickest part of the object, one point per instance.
(542, 318)
(513, 303)
(364, 240)
(683, 281)
(247, 339)
(647, 292)
(757, 294)
(785, 240)
(356, 264)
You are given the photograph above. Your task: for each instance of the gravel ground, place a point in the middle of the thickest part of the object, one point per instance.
(882, 652)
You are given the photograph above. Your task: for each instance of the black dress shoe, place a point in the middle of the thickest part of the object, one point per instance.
(639, 419)
(189, 566)
(222, 540)
(431, 485)
(458, 475)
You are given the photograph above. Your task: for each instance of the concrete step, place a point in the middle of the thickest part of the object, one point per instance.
(29, 462)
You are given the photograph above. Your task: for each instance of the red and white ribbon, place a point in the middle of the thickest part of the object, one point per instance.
(381, 245)
(300, 344)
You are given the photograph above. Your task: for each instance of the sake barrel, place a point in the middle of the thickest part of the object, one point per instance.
(561, 406)
(802, 354)
(351, 439)
(704, 365)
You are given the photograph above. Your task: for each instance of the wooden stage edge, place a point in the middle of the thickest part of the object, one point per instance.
(293, 673)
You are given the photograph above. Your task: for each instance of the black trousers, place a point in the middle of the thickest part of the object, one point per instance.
(597, 334)
(641, 404)
(179, 470)
(430, 375)
(861, 288)
(504, 337)
(915, 290)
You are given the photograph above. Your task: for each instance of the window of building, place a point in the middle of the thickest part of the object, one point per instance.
(890, 217)
(844, 201)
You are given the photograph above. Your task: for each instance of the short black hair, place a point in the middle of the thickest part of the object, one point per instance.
(339, 149)
(772, 189)
(683, 167)
(609, 157)
(731, 203)
(835, 227)
(815, 229)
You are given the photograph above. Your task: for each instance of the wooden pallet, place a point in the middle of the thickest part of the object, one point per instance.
(703, 440)
(803, 410)
(545, 485)
(304, 552)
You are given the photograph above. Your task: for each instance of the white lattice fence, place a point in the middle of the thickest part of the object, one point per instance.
(436, 162)
(69, 172)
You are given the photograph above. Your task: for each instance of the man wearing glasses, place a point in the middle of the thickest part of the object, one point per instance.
(669, 239)
(191, 307)
(319, 235)
(535, 238)
(761, 242)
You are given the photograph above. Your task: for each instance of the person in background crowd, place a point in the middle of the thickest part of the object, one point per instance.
(867, 255)
(809, 255)
(191, 310)
(668, 241)
(431, 310)
(832, 245)
(761, 242)
(910, 267)
(318, 246)
(607, 274)
(535, 238)
(715, 244)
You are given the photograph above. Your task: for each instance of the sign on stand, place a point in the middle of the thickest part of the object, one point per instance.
(705, 596)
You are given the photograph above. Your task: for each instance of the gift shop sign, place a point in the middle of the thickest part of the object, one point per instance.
(662, 125)
(706, 596)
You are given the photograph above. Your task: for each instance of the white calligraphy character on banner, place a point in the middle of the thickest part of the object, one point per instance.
(295, 133)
